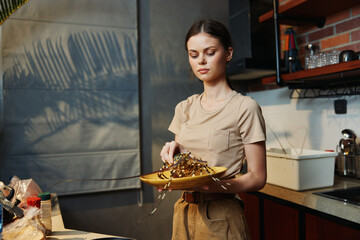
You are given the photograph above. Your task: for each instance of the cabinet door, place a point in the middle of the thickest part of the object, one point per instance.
(252, 214)
(280, 222)
(318, 228)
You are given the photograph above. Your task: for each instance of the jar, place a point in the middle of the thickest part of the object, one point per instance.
(311, 57)
(45, 209)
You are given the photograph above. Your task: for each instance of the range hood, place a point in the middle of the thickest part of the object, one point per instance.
(254, 43)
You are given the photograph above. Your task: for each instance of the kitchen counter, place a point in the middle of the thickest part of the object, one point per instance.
(60, 232)
(26, 231)
(347, 211)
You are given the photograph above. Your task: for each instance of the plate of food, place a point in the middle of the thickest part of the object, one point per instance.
(165, 181)
(186, 172)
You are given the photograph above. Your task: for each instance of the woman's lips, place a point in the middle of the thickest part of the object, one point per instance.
(203, 70)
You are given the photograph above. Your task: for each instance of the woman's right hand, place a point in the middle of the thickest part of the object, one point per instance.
(169, 150)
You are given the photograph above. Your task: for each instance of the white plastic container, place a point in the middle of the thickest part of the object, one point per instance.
(300, 170)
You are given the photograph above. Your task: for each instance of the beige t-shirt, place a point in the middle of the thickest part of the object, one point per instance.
(218, 136)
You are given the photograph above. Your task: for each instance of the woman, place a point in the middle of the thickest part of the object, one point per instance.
(222, 127)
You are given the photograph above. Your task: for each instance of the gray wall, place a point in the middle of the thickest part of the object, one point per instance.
(165, 79)
(306, 123)
(71, 103)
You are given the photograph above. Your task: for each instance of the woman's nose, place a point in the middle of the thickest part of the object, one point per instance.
(202, 59)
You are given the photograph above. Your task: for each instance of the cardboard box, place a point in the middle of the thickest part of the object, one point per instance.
(300, 169)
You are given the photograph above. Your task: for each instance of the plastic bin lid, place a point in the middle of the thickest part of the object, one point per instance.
(293, 153)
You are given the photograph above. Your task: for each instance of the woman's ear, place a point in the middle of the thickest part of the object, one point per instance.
(229, 54)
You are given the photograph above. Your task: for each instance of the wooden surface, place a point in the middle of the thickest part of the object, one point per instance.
(346, 69)
(308, 9)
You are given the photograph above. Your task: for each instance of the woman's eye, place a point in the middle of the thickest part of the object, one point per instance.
(210, 53)
(193, 55)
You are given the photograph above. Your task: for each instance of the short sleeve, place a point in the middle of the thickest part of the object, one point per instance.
(175, 124)
(252, 123)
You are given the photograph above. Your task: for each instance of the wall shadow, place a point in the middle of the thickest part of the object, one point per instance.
(73, 96)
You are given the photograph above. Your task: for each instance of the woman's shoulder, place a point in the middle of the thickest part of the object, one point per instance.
(190, 100)
(245, 102)
(243, 98)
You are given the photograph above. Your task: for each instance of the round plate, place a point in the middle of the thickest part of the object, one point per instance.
(184, 182)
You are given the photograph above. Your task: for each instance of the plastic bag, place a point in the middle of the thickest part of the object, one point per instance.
(24, 189)
(29, 227)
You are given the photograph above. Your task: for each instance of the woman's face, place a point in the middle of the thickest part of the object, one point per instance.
(208, 57)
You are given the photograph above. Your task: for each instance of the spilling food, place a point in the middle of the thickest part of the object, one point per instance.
(185, 166)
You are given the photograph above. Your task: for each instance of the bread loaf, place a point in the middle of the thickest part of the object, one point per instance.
(28, 232)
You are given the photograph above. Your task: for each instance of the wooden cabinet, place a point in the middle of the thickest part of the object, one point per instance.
(271, 218)
(280, 221)
(317, 228)
(252, 214)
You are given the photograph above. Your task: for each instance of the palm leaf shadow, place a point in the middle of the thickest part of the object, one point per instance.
(72, 71)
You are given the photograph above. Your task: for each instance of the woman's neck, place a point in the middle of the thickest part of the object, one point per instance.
(215, 95)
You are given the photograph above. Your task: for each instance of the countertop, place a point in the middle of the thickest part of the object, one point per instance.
(58, 229)
(308, 199)
(60, 232)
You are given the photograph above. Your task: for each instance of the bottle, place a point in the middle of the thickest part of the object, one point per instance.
(45, 208)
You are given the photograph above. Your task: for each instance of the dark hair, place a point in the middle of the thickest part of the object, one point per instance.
(213, 28)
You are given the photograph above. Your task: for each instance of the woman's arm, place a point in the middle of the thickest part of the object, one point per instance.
(253, 180)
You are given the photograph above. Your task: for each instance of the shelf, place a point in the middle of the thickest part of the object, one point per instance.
(297, 12)
(346, 70)
(328, 81)
(350, 90)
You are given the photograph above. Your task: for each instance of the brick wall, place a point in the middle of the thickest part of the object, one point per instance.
(341, 32)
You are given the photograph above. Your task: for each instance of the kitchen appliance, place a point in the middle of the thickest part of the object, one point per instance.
(348, 195)
(300, 169)
(253, 43)
(344, 165)
(347, 146)
(345, 162)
